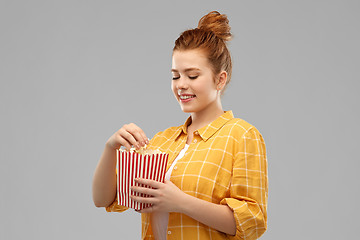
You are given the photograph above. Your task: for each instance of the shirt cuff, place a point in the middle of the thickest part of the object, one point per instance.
(115, 207)
(248, 226)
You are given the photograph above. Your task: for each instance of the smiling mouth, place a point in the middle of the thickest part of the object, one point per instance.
(186, 97)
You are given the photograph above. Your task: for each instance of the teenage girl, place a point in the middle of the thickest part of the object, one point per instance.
(216, 183)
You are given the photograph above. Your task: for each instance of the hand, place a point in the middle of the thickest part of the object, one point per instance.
(166, 197)
(129, 135)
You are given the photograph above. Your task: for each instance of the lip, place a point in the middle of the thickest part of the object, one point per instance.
(186, 100)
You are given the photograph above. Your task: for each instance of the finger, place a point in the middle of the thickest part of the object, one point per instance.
(138, 133)
(147, 191)
(122, 141)
(149, 182)
(134, 131)
(145, 139)
(148, 200)
(127, 136)
(139, 138)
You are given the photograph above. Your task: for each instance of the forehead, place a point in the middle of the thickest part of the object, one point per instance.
(189, 59)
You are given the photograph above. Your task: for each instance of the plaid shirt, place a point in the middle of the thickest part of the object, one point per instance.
(225, 164)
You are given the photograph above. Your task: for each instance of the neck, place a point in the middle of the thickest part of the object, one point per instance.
(206, 116)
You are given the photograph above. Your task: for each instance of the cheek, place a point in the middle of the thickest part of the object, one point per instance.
(206, 90)
(173, 88)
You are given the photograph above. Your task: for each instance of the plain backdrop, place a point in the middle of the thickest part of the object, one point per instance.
(73, 72)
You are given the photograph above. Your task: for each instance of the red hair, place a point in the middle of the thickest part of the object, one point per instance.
(210, 36)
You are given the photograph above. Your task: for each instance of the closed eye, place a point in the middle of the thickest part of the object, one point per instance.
(193, 77)
(175, 78)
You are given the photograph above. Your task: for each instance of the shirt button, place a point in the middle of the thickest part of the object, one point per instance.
(196, 133)
(169, 232)
(175, 167)
(195, 141)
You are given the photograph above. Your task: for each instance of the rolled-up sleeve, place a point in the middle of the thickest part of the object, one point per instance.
(115, 207)
(249, 187)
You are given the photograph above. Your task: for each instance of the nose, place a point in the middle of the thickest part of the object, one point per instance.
(181, 83)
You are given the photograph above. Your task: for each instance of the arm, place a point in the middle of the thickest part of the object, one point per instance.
(104, 180)
(249, 187)
(167, 197)
(219, 217)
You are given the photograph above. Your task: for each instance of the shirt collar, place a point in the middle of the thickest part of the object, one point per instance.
(207, 131)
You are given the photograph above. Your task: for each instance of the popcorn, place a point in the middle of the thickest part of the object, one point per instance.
(144, 150)
(138, 163)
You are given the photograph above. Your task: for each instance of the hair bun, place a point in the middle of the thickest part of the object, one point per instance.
(216, 23)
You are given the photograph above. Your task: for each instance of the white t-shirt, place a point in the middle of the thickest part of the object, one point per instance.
(159, 220)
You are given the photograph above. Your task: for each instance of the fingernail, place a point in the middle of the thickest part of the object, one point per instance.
(147, 141)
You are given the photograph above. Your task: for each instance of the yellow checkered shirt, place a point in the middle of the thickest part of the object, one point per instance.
(225, 164)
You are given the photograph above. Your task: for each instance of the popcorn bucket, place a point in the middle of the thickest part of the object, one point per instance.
(131, 165)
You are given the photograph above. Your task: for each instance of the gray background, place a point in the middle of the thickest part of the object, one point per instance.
(73, 72)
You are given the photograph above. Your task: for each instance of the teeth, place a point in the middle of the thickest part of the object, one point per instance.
(186, 97)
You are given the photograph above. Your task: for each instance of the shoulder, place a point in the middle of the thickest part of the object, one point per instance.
(241, 129)
(239, 126)
(245, 136)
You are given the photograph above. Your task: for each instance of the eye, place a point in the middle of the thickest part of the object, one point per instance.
(193, 77)
(175, 78)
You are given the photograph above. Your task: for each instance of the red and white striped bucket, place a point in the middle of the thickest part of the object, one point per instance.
(131, 165)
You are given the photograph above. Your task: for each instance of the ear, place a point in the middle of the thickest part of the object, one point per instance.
(222, 77)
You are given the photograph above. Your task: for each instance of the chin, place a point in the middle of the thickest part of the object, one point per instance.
(185, 110)
(188, 110)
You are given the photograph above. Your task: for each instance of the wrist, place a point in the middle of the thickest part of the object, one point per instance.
(187, 204)
(109, 146)
(109, 154)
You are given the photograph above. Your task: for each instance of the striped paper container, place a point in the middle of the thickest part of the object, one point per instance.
(131, 165)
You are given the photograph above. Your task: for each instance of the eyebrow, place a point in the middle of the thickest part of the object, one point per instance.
(186, 70)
